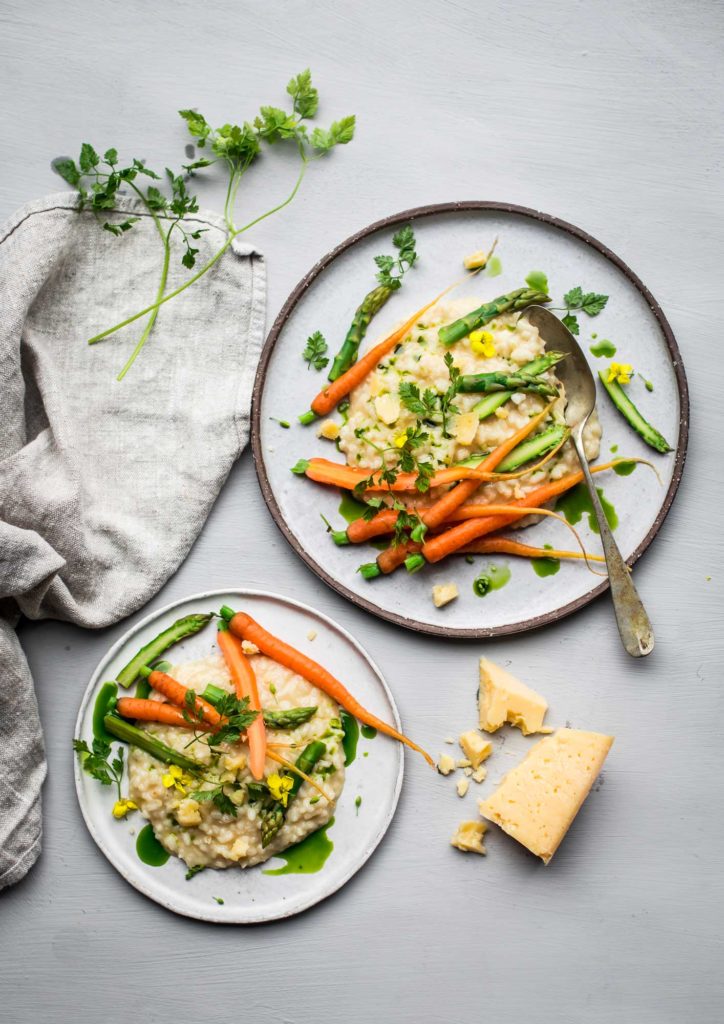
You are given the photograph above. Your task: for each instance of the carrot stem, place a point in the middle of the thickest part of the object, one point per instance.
(246, 628)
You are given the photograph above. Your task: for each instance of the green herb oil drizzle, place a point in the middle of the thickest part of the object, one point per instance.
(495, 577)
(545, 566)
(577, 501)
(350, 725)
(604, 347)
(307, 857)
(149, 849)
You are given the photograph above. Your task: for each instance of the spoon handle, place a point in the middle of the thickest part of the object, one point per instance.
(633, 623)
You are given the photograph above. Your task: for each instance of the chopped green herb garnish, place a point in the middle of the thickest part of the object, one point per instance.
(98, 764)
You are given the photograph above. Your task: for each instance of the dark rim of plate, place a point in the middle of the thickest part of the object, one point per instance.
(417, 214)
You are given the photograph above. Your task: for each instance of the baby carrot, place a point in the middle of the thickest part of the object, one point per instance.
(438, 513)
(328, 398)
(156, 711)
(177, 693)
(246, 628)
(244, 680)
(506, 546)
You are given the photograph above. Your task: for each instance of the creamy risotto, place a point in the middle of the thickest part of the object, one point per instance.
(377, 417)
(196, 830)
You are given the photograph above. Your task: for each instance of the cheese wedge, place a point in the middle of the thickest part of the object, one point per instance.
(537, 801)
(503, 698)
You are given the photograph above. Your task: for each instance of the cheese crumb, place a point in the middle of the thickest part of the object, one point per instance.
(466, 427)
(502, 413)
(312, 634)
(476, 260)
(462, 786)
(475, 747)
(463, 762)
(444, 593)
(329, 430)
(446, 764)
(449, 739)
(503, 698)
(469, 837)
(248, 647)
(480, 774)
(387, 408)
(467, 771)
(188, 813)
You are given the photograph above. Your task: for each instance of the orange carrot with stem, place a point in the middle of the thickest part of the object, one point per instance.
(443, 508)
(328, 398)
(244, 680)
(158, 711)
(507, 546)
(177, 693)
(246, 628)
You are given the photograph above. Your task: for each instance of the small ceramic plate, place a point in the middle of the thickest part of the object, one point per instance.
(375, 776)
(325, 300)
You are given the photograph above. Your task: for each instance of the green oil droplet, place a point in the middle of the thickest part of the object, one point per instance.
(494, 577)
(149, 849)
(494, 267)
(350, 726)
(358, 803)
(577, 502)
(545, 566)
(368, 731)
(105, 701)
(307, 857)
(625, 468)
(350, 509)
(604, 347)
(613, 449)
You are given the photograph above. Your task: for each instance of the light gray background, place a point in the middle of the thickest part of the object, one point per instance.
(608, 115)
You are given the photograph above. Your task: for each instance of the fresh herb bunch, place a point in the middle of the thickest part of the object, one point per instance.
(393, 268)
(98, 764)
(588, 302)
(235, 147)
(237, 716)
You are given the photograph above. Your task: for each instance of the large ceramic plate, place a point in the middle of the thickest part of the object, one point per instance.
(325, 300)
(375, 775)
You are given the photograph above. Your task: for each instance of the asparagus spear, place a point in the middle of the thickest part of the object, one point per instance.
(272, 812)
(510, 303)
(533, 448)
(492, 382)
(391, 271)
(371, 304)
(487, 406)
(123, 730)
(180, 629)
(632, 416)
(282, 718)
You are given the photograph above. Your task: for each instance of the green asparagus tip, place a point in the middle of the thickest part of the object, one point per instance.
(307, 417)
(145, 671)
(227, 613)
(369, 570)
(413, 563)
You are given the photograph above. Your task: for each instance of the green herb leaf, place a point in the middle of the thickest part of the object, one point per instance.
(67, 170)
(571, 322)
(95, 762)
(303, 93)
(339, 134)
(301, 467)
(197, 124)
(314, 351)
(88, 158)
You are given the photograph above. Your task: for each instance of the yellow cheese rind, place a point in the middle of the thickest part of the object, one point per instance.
(537, 801)
(469, 837)
(503, 698)
(475, 747)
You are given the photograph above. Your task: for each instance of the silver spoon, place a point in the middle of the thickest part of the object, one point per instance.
(575, 374)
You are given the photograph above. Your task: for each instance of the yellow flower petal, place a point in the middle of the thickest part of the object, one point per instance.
(122, 807)
(401, 441)
(168, 780)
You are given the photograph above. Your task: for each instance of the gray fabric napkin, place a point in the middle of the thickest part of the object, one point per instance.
(104, 485)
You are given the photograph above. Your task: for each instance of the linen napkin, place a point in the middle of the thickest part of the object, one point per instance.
(104, 485)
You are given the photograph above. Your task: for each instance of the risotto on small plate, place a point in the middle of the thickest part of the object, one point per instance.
(220, 761)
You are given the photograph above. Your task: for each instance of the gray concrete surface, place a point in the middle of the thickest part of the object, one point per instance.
(609, 116)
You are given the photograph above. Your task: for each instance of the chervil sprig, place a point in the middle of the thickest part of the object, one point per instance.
(99, 764)
(233, 146)
(588, 302)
